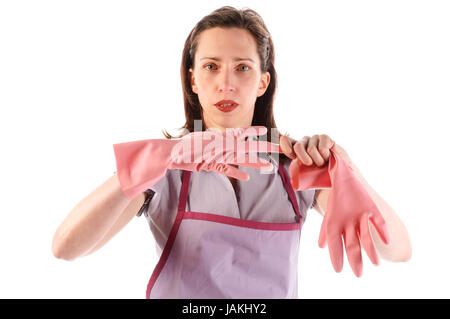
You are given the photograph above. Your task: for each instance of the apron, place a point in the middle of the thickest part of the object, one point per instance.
(214, 256)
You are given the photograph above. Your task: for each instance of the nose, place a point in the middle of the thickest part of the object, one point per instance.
(225, 81)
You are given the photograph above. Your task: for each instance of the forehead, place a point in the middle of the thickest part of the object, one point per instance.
(223, 41)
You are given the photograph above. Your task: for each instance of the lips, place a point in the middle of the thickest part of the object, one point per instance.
(226, 105)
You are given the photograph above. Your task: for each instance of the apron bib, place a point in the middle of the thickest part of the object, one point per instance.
(213, 256)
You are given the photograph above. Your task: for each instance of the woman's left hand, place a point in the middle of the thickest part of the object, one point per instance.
(309, 150)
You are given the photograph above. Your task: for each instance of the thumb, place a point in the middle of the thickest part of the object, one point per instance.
(286, 146)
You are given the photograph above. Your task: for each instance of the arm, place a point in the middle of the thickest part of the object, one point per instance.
(400, 247)
(94, 220)
(124, 218)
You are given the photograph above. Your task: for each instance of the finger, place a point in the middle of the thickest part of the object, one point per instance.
(367, 241)
(381, 226)
(301, 153)
(313, 151)
(221, 168)
(323, 234)
(334, 242)
(353, 250)
(231, 171)
(247, 160)
(324, 146)
(254, 162)
(286, 146)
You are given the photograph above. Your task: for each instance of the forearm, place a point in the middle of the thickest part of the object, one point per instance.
(89, 220)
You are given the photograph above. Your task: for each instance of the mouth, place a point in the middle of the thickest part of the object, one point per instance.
(226, 105)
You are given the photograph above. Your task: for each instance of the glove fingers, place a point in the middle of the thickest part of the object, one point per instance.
(255, 162)
(232, 172)
(323, 234)
(381, 227)
(336, 252)
(367, 241)
(224, 169)
(353, 250)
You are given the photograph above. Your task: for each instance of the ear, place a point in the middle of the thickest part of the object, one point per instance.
(264, 83)
(193, 86)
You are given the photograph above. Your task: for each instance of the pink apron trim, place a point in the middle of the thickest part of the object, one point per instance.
(241, 222)
(288, 186)
(182, 214)
(173, 233)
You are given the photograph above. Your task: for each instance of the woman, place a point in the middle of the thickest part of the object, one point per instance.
(229, 81)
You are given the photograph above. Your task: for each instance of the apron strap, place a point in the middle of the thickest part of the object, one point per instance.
(173, 232)
(288, 186)
(186, 177)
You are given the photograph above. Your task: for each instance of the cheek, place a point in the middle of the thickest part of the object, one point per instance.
(251, 88)
(204, 85)
(203, 101)
(251, 84)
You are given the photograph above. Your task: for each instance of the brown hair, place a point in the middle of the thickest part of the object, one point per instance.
(229, 17)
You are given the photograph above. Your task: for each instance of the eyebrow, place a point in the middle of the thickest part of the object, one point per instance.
(235, 59)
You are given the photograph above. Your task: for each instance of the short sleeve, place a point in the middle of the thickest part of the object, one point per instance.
(314, 199)
(306, 201)
(158, 195)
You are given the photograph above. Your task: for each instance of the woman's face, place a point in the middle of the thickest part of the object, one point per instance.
(218, 75)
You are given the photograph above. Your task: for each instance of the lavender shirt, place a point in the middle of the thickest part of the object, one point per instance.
(262, 198)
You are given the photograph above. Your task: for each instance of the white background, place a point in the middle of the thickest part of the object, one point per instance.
(79, 76)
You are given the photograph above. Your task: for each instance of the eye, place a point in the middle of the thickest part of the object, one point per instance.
(206, 66)
(242, 65)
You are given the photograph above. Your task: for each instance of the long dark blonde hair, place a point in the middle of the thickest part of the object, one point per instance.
(229, 17)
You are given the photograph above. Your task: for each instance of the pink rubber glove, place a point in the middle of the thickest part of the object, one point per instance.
(349, 210)
(141, 164)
